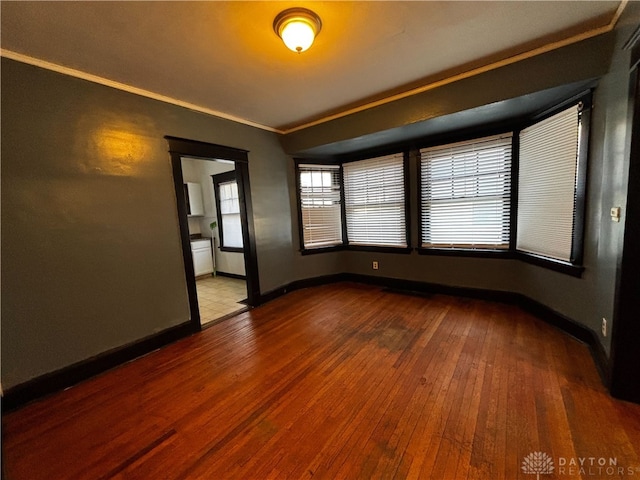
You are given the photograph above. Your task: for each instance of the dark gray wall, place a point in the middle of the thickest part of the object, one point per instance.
(590, 299)
(574, 63)
(91, 253)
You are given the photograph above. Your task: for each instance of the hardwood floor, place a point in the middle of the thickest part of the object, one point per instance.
(338, 382)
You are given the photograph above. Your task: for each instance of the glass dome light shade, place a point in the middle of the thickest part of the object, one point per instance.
(297, 35)
(297, 27)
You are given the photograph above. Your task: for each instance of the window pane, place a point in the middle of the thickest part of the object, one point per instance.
(375, 201)
(229, 202)
(547, 185)
(232, 229)
(320, 205)
(465, 194)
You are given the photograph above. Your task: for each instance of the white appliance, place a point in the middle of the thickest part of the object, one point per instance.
(203, 260)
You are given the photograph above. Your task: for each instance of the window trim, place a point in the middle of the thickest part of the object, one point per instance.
(460, 251)
(550, 263)
(370, 155)
(574, 267)
(463, 250)
(513, 125)
(329, 248)
(217, 180)
(466, 252)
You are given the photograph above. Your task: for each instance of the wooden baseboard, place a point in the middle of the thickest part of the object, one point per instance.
(24, 393)
(231, 275)
(49, 383)
(299, 284)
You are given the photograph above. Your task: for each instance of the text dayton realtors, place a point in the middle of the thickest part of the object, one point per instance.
(593, 466)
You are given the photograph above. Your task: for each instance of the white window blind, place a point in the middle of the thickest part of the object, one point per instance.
(320, 205)
(230, 214)
(465, 194)
(375, 201)
(547, 185)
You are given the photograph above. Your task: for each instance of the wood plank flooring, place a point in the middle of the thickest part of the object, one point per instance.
(343, 381)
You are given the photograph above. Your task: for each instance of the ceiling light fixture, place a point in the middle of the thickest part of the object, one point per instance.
(297, 27)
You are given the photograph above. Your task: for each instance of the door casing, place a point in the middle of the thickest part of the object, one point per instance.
(181, 147)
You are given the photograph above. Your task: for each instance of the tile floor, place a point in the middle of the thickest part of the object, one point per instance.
(219, 296)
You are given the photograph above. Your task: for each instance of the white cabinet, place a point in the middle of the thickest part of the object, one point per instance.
(193, 197)
(201, 253)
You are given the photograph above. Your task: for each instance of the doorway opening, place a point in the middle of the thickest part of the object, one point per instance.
(215, 234)
(216, 227)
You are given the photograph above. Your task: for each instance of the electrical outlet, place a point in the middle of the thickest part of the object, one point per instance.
(374, 265)
(604, 327)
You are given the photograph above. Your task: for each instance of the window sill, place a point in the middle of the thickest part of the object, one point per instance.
(556, 265)
(313, 251)
(379, 249)
(466, 252)
(231, 249)
(356, 248)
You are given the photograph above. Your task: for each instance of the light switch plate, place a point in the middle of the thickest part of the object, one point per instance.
(615, 214)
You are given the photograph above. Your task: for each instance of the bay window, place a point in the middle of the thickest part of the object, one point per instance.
(519, 194)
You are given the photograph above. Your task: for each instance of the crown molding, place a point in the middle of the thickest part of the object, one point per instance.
(129, 88)
(409, 93)
(471, 73)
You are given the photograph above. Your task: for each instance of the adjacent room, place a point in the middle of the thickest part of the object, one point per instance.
(337, 240)
(215, 236)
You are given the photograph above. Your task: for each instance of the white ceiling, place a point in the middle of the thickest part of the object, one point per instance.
(224, 56)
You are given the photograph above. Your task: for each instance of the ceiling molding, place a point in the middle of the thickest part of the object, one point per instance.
(471, 73)
(128, 88)
(416, 91)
